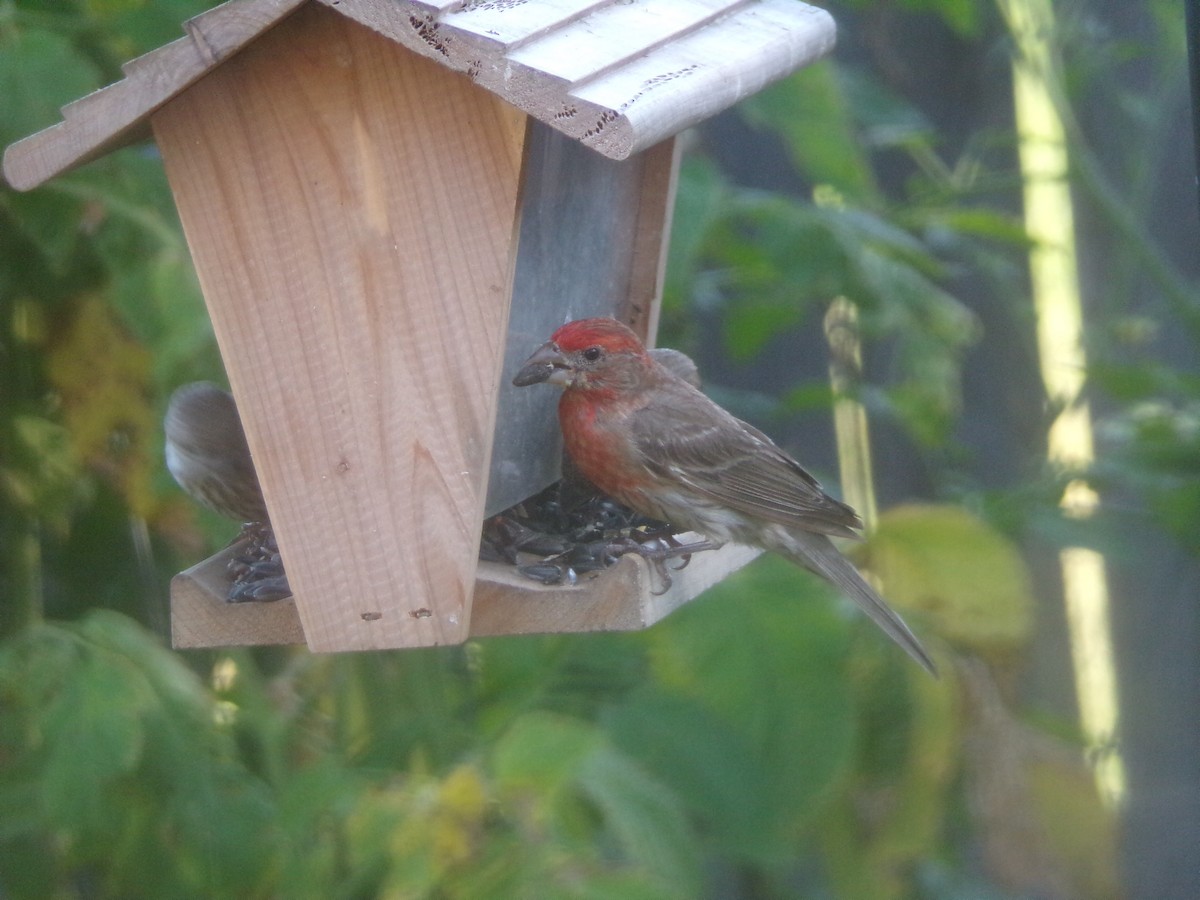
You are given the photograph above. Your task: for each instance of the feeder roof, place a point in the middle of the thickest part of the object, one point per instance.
(617, 75)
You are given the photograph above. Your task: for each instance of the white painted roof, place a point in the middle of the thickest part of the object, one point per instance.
(617, 75)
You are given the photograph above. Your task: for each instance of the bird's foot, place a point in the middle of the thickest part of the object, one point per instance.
(262, 589)
(256, 572)
(658, 550)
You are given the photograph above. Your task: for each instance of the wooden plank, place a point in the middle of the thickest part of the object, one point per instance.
(350, 208)
(620, 76)
(630, 94)
(202, 617)
(437, 7)
(613, 35)
(652, 238)
(698, 75)
(621, 598)
(503, 26)
(116, 115)
(592, 243)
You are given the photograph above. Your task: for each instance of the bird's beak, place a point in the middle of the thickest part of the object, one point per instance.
(546, 364)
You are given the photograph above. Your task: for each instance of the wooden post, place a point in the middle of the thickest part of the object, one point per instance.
(350, 208)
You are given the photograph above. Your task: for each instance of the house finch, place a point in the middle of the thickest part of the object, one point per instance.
(657, 444)
(207, 452)
(677, 363)
(208, 455)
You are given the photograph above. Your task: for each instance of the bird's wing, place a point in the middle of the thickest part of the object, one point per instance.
(687, 438)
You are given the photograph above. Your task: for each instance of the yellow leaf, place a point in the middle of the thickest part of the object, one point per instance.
(1079, 829)
(102, 376)
(464, 795)
(967, 579)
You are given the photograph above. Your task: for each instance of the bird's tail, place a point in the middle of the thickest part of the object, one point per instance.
(817, 553)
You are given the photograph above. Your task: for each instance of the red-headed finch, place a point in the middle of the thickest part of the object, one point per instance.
(652, 441)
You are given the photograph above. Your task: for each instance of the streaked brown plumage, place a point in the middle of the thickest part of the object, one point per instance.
(207, 452)
(657, 444)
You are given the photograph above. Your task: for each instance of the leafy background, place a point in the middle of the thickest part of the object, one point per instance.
(793, 755)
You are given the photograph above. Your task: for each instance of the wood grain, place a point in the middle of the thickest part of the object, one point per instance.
(506, 26)
(699, 74)
(618, 75)
(350, 208)
(610, 37)
(622, 75)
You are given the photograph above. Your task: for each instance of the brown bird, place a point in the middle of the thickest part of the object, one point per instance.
(653, 442)
(207, 452)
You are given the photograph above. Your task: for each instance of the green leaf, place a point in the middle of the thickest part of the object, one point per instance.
(613, 886)
(699, 200)
(708, 764)
(645, 816)
(810, 113)
(94, 733)
(992, 225)
(165, 672)
(887, 120)
(138, 26)
(50, 221)
(543, 750)
(752, 323)
(766, 651)
(40, 472)
(959, 572)
(892, 816)
(40, 71)
(963, 16)
(132, 771)
(102, 376)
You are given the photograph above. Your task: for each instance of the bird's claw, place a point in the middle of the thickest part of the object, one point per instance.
(657, 551)
(674, 544)
(256, 572)
(262, 590)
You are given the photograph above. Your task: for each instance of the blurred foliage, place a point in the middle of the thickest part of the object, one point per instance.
(761, 742)
(767, 262)
(958, 571)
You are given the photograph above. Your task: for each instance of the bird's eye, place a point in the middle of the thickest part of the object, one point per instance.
(591, 354)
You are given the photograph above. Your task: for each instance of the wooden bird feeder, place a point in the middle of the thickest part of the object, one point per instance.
(364, 186)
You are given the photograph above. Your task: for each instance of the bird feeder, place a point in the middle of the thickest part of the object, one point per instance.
(389, 204)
